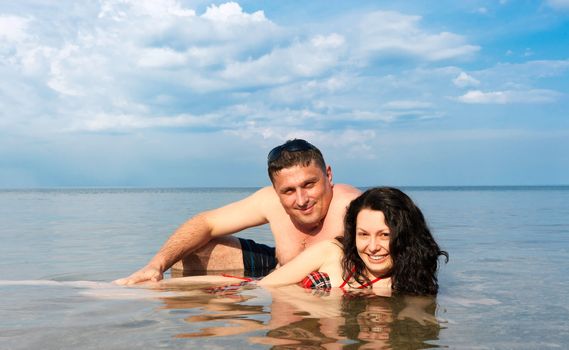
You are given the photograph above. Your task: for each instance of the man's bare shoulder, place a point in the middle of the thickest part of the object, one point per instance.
(266, 198)
(345, 193)
(266, 193)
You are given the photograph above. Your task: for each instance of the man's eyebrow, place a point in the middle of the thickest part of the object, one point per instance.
(312, 179)
(304, 183)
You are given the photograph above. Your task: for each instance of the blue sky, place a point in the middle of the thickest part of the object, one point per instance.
(195, 93)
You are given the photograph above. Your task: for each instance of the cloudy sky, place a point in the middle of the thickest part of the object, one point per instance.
(195, 93)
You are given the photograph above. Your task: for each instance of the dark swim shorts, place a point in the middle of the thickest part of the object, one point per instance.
(258, 259)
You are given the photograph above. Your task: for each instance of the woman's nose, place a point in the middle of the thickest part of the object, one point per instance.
(374, 244)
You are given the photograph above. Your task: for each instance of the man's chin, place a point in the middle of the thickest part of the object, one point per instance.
(308, 220)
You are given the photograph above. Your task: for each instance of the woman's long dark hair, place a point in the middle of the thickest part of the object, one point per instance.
(412, 247)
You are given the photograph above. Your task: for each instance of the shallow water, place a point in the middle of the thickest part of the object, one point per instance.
(504, 287)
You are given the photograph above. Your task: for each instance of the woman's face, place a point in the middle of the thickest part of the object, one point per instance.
(372, 242)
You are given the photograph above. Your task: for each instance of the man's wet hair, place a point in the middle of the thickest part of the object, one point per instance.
(295, 152)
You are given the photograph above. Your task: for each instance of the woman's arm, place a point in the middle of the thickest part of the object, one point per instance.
(297, 269)
(205, 279)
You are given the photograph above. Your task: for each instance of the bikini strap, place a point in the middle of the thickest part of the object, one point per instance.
(363, 285)
(240, 278)
(346, 281)
(369, 284)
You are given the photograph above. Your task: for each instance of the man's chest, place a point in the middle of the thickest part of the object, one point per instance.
(290, 241)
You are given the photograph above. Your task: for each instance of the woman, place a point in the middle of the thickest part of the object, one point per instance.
(386, 246)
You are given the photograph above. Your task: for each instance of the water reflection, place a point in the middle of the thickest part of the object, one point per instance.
(386, 323)
(219, 304)
(292, 318)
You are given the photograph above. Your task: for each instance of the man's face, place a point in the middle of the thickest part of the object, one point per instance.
(305, 193)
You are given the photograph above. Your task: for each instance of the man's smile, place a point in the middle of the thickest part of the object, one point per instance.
(307, 209)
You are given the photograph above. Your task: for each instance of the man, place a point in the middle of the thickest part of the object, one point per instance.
(302, 207)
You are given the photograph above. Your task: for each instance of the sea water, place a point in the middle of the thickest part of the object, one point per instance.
(505, 285)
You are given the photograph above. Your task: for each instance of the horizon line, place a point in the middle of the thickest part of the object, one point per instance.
(47, 188)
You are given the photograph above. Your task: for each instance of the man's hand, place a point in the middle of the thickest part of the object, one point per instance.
(146, 274)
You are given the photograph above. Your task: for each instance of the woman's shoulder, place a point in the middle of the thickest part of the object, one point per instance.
(329, 244)
(331, 249)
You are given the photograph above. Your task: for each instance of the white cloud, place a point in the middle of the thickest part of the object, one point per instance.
(231, 12)
(513, 83)
(559, 4)
(349, 141)
(386, 33)
(302, 59)
(407, 104)
(523, 73)
(120, 10)
(13, 28)
(59, 80)
(128, 50)
(465, 80)
(120, 65)
(124, 122)
(132, 71)
(509, 97)
(332, 41)
(161, 58)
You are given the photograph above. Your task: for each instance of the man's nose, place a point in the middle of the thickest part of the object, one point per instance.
(301, 197)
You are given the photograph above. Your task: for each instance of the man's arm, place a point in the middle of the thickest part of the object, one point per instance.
(200, 229)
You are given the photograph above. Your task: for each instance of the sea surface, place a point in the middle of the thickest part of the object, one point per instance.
(506, 285)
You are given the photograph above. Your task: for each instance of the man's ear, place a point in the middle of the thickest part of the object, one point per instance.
(329, 174)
